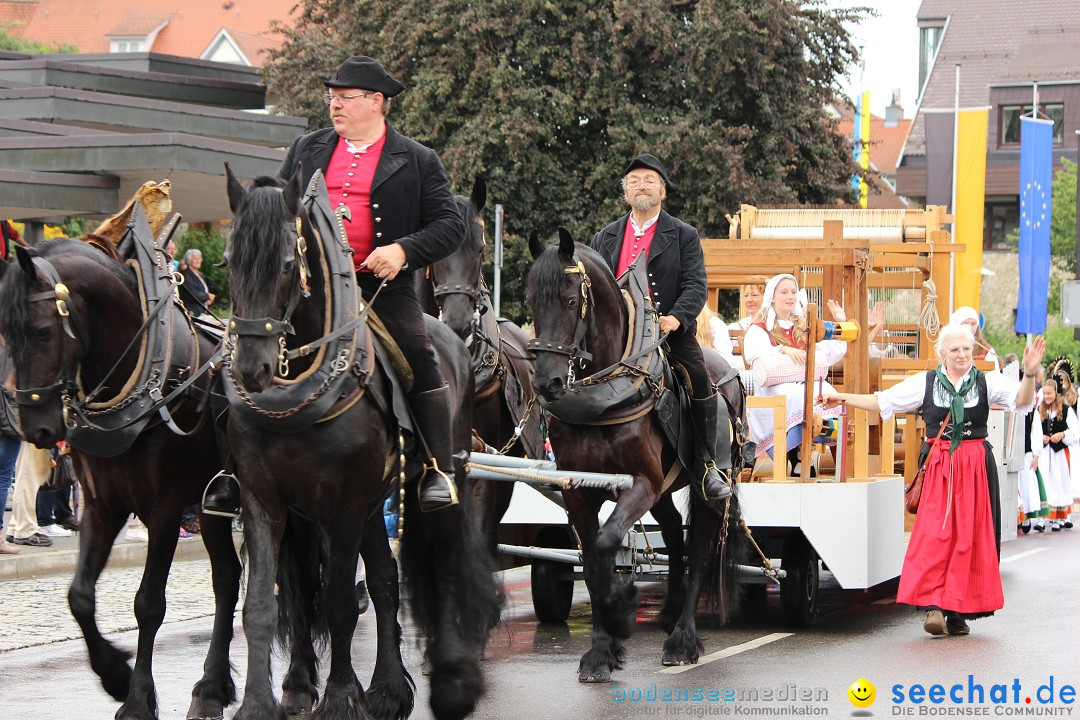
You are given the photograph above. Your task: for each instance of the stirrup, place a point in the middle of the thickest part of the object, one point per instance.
(711, 465)
(206, 490)
(434, 467)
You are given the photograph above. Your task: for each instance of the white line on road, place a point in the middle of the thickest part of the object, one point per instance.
(728, 652)
(1022, 555)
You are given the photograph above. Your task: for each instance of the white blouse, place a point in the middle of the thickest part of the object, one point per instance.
(907, 395)
(758, 344)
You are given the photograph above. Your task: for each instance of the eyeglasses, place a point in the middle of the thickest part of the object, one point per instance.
(647, 182)
(343, 99)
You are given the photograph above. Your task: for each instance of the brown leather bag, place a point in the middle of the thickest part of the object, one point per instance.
(913, 490)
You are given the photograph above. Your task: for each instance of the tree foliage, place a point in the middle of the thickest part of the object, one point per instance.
(549, 100)
(32, 47)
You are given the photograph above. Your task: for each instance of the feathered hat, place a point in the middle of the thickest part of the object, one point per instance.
(1063, 366)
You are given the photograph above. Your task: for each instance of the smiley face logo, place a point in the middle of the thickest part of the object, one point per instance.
(862, 693)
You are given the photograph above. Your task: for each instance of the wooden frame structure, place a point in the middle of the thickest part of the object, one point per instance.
(856, 250)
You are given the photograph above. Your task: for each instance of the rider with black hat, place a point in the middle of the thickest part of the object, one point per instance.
(399, 214)
(678, 285)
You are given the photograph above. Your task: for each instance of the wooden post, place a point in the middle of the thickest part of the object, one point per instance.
(813, 330)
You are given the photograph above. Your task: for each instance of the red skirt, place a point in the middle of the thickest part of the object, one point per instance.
(951, 562)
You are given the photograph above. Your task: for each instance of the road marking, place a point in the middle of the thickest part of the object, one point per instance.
(728, 652)
(1022, 555)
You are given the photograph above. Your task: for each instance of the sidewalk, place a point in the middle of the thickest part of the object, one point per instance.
(33, 562)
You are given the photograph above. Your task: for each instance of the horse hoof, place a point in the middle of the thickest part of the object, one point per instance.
(670, 661)
(205, 709)
(297, 703)
(594, 677)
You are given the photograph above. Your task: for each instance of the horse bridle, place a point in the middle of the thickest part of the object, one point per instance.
(576, 351)
(269, 327)
(65, 385)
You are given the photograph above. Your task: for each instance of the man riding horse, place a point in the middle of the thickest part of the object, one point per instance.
(678, 285)
(394, 198)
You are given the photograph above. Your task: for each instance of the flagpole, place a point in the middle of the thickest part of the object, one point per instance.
(955, 162)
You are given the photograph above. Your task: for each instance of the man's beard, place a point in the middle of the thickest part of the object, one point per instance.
(642, 203)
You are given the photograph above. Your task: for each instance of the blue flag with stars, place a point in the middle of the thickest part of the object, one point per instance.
(1036, 157)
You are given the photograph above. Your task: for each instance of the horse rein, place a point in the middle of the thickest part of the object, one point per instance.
(576, 351)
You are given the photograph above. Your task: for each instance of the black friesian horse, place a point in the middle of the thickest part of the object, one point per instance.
(563, 299)
(455, 292)
(156, 478)
(336, 473)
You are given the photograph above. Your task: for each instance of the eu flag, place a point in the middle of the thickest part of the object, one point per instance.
(1036, 156)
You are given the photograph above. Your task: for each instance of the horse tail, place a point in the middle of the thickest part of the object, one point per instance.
(302, 561)
(454, 598)
(729, 549)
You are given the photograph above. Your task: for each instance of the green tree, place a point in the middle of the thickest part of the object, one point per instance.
(1063, 217)
(549, 99)
(32, 47)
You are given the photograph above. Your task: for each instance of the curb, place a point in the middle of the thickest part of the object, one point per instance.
(26, 566)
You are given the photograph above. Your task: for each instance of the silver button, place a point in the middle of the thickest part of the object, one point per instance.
(378, 219)
(378, 235)
(375, 206)
(348, 184)
(350, 174)
(353, 165)
(344, 194)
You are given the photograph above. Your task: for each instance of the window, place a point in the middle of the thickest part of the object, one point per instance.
(126, 45)
(1009, 121)
(1001, 229)
(929, 39)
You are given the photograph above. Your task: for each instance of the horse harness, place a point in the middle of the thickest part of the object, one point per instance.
(625, 390)
(109, 428)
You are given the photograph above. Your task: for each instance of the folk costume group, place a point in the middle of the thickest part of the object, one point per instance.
(399, 216)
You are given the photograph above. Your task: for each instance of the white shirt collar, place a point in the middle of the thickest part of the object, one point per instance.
(648, 224)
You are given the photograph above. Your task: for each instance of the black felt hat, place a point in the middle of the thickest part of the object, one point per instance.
(649, 162)
(364, 73)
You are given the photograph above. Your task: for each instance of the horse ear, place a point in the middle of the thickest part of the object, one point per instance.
(535, 246)
(235, 189)
(566, 243)
(26, 262)
(293, 190)
(479, 193)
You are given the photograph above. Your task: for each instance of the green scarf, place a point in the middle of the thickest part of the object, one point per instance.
(956, 406)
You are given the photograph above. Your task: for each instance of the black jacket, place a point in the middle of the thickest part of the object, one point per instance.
(676, 266)
(411, 202)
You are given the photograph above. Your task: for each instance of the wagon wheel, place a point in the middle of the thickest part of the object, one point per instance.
(799, 590)
(552, 581)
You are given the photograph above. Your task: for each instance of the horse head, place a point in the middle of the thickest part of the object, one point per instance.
(457, 278)
(48, 328)
(578, 316)
(268, 272)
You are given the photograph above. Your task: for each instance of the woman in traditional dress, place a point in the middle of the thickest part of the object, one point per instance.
(1063, 368)
(775, 349)
(1059, 431)
(951, 567)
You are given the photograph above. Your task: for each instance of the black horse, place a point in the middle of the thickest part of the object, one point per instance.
(578, 309)
(156, 478)
(336, 471)
(505, 415)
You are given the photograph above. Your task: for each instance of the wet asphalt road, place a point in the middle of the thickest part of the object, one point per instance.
(531, 668)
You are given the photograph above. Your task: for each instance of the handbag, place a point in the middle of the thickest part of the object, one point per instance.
(913, 490)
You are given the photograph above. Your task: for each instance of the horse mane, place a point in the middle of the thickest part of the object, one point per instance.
(17, 287)
(546, 276)
(259, 238)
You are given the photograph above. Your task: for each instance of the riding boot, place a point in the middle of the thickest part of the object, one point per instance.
(705, 415)
(222, 496)
(434, 420)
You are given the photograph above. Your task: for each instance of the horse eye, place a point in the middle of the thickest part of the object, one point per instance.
(44, 334)
(572, 302)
